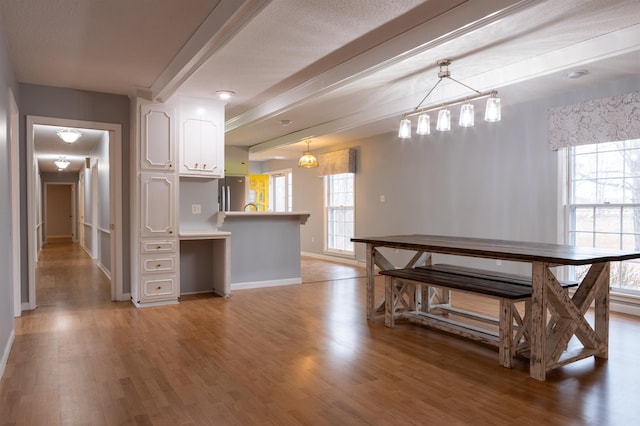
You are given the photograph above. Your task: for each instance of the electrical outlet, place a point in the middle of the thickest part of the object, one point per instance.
(313, 239)
(382, 199)
(499, 262)
(196, 209)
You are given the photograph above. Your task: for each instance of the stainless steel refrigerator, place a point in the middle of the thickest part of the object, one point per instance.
(232, 193)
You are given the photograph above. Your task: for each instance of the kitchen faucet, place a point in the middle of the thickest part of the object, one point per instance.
(250, 204)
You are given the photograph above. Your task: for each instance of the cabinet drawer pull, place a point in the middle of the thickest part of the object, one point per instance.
(158, 265)
(196, 166)
(158, 247)
(204, 166)
(159, 288)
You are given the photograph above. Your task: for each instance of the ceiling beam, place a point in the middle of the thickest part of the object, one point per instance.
(443, 26)
(228, 17)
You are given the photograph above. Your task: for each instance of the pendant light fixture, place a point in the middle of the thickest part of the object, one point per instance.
(69, 135)
(308, 160)
(467, 114)
(61, 163)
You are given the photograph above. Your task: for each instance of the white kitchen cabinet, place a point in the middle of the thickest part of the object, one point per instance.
(201, 138)
(157, 205)
(155, 260)
(157, 145)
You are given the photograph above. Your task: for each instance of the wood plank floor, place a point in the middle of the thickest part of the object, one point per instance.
(281, 356)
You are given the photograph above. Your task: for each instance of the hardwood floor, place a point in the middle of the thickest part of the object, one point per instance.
(280, 356)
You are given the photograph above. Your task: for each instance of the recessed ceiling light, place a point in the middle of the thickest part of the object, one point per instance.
(285, 123)
(577, 74)
(225, 94)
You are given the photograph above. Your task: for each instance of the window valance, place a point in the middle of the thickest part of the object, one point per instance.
(336, 162)
(616, 118)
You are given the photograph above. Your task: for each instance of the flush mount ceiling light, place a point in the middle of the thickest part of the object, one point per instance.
(225, 94)
(577, 74)
(492, 110)
(69, 135)
(61, 163)
(308, 160)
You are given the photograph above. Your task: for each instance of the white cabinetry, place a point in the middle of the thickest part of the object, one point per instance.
(201, 138)
(157, 140)
(157, 206)
(155, 259)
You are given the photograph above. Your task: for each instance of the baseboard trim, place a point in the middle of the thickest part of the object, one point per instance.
(104, 270)
(5, 353)
(337, 259)
(261, 284)
(154, 304)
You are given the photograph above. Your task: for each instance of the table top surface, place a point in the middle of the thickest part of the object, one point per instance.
(519, 251)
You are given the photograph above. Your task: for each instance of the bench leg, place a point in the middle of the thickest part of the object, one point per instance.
(505, 350)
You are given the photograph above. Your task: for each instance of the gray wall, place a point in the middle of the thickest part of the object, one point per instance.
(7, 82)
(495, 180)
(75, 105)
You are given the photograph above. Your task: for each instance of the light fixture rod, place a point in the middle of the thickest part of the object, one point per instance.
(427, 95)
(480, 95)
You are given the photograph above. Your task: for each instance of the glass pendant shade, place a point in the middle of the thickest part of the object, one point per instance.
(308, 160)
(444, 120)
(61, 163)
(404, 132)
(69, 135)
(424, 124)
(466, 115)
(492, 112)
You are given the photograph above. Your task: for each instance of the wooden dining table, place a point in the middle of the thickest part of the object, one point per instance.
(556, 316)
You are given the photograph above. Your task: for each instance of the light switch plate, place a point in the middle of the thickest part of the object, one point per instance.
(196, 209)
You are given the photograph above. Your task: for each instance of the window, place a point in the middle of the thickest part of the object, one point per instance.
(339, 213)
(281, 191)
(604, 205)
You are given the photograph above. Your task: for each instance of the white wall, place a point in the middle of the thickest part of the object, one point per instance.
(7, 82)
(495, 180)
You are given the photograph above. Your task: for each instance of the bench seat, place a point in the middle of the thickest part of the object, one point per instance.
(410, 293)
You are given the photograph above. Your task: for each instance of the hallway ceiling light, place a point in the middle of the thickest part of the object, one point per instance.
(308, 160)
(61, 163)
(492, 110)
(225, 94)
(69, 135)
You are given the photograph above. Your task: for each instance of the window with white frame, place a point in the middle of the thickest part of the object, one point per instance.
(603, 208)
(339, 213)
(281, 191)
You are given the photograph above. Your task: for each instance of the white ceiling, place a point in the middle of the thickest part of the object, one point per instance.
(339, 70)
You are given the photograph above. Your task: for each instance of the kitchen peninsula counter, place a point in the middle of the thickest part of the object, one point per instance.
(265, 247)
(302, 216)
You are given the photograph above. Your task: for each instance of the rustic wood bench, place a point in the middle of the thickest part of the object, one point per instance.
(422, 295)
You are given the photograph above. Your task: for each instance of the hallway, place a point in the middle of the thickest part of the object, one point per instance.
(67, 278)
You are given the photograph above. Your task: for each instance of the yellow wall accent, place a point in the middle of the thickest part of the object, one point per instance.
(259, 191)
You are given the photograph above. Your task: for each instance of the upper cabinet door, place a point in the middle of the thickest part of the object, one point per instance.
(201, 138)
(157, 150)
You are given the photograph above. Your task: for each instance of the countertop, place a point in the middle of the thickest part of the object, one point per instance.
(302, 215)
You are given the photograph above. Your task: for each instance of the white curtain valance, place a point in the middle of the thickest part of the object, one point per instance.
(336, 162)
(601, 120)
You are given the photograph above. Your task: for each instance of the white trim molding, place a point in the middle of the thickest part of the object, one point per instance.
(261, 284)
(5, 353)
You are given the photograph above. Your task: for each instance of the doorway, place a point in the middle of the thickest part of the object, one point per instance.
(110, 204)
(59, 212)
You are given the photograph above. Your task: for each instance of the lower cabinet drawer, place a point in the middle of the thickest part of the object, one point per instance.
(158, 264)
(159, 287)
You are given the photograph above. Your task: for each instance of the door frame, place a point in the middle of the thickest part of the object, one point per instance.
(115, 195)
(14, 164)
